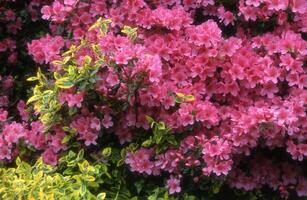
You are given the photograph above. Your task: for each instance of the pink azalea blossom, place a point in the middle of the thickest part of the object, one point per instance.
(173, 185)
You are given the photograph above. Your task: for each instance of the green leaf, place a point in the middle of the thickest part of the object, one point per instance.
(57, 62)
(66, 59)
(166, 197)
(66, 139)
(84, 166)
(40, 76)
(68, 171)
(104, 26)
(180, 95)
(106, 152)
(87, 60)
(130, 32)
(139, 186)
(83, 190)
(147, 143)
(18, 161)
(172, 140)
(161, 126)
(80, 154)
(158, 137)
(133, 146)
(189, 98)
(64, 83)
(89, 178)
(101, 196)
(120, 162)
(33, 99)
(69, 129)
(123, 153)
(33, 78)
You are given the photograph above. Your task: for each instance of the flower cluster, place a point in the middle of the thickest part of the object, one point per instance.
(227, 79)
(46, 49)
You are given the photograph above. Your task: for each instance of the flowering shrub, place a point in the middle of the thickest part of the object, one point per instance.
(209, 93)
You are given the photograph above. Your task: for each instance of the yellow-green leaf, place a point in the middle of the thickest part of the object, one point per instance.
(106, 152)
(104, 25)
(179, 94)
(33, 78)
(130, 32)
(40, 76)
(66, 59)
(89, 178)
(64, 83)
(57, 62)
(120, 162)
(87, 60)
(101, 196)
(147, 143)
(189, 98)
(96, 24)
(66, 139)
(34, 98)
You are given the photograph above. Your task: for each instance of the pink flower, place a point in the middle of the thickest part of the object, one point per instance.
(47, 12)
(302, 148)
(226, 16)
(207, 34)
(21, 106)
(95, 124)
(3, 115)
(70, 2)
(230, 46)
(88, 128)
(277, 4)
(55, 142)
(249, 13)
(124, 135)
(75, 100)
(299, 6)
(49, 157)
(155, 69)
(4, 101)
(107, 121)
(222, 168)
(78, 33)
(139, 161)
(10, 15)
(269, 89)
(90, 138)
(12, 132)
(112, 79)
(301, 188)
(5, 152)
(302, 82)
(12, 58)
(186, 120)
(35, 136)
(173, 185)
(7, 82)
(254, 3)
(46, 49)
(85, 18)
(71, 99)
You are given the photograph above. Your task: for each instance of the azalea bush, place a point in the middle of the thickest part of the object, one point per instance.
(163, 99)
